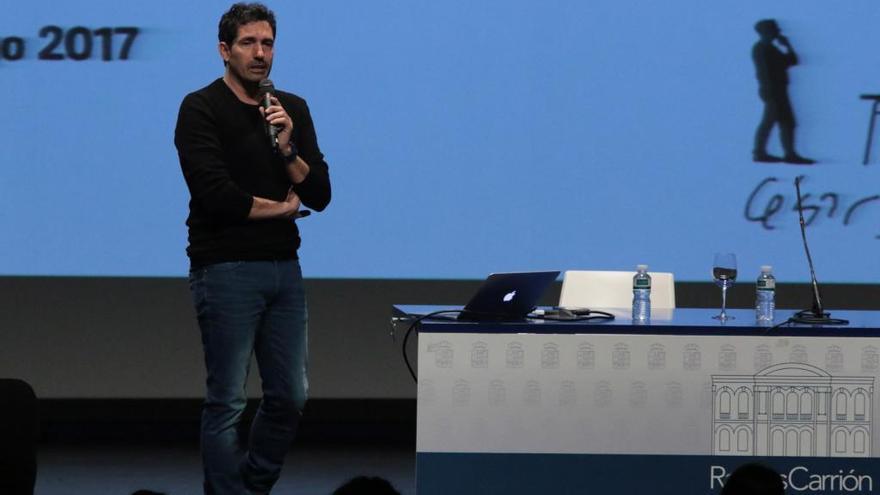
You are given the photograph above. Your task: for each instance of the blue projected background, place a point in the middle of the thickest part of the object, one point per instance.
(463, 138)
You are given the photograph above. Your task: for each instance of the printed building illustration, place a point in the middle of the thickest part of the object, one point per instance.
(792, 409)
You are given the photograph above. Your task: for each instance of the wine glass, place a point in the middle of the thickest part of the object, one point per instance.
(724, 273)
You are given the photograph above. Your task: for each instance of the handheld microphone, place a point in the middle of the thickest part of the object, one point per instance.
(267, 89)
(815, 315)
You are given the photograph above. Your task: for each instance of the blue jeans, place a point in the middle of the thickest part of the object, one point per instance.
(246, 308)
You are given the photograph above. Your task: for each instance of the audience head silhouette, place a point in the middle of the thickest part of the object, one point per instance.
(754, 479)
(364, 485)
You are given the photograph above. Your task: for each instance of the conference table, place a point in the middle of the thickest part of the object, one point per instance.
(671, 406)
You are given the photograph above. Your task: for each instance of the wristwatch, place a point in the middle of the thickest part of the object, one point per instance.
(292, 157)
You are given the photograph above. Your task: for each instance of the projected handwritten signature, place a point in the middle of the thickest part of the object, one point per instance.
(830, 204)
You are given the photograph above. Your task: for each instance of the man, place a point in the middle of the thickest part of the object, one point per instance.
(246, 190)
(771, 66)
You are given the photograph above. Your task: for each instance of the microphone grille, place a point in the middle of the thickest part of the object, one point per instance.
(266, 86)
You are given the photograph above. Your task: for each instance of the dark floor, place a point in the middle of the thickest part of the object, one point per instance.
(104, 447)
(117, 469)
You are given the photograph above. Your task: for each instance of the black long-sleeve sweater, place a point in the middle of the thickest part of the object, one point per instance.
(227, 159)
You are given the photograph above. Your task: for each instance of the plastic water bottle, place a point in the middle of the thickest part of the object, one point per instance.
(641, 310)
(765, 297)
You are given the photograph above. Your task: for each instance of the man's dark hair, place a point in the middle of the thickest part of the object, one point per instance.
(241, 14)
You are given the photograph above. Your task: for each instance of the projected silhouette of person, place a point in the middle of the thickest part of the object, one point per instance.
(771, 67)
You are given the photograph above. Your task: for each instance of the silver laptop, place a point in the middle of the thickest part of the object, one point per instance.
(507, 296)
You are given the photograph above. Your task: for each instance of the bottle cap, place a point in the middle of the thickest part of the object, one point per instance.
(642, 268)
(766, 268)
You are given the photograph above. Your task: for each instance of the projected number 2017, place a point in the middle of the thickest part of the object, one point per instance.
(76, 43)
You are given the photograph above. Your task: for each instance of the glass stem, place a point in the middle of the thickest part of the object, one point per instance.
(724, 302)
